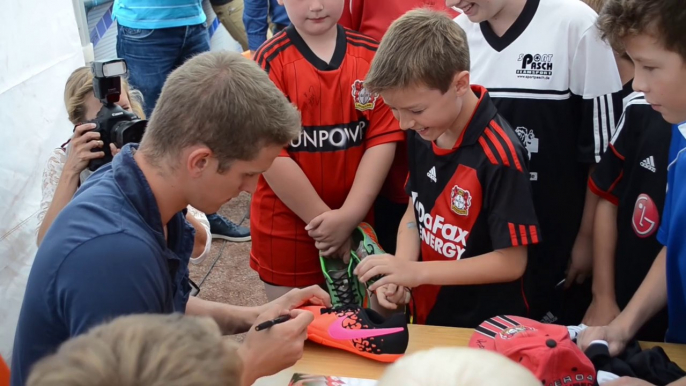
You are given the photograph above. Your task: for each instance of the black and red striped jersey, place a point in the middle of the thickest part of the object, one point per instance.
(468, 201)
(341, 120)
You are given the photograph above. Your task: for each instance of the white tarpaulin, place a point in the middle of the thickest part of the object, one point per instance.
(39, 48)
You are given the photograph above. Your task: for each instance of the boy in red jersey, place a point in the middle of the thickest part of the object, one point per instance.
(325, 182)
(372, 18)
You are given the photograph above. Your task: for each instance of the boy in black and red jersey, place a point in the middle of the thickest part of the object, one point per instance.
(325, 182)
(631, 181)
(462, 244)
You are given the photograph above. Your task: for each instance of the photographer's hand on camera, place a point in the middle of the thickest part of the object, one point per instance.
(80, 148)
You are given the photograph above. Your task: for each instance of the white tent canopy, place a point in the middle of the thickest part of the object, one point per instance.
(41, 43)
(39, 48)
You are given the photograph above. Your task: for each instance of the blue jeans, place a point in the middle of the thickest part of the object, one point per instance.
(152, 54)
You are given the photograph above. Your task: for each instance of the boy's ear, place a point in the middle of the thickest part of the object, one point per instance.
(461, 82)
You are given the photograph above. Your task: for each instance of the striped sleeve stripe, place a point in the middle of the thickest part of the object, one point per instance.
(372, 48)
(513, 235)
(534, 234)
(487, 151)
(523, 234)
(603, 194)
(269, 47)
(508, 143)
(603, 123)
(356, 35)
(498, 146)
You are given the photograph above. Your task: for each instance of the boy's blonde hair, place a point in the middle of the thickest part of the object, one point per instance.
(422, 47)
(223, 101)
(457, 367)
(662, 19)
(80, 84)
(151, 350)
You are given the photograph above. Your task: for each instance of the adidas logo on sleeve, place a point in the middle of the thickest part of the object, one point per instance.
(432, 174)
(649, 163)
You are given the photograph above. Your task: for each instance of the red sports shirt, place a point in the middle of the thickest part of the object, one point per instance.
(341, 119)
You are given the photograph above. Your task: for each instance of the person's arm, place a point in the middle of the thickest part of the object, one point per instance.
(604, 304)
(231, 319)
(678, 382)
(650, 297)
(58, 189)
(294, 189)
(500, 266)
(369, 178)
(408, 244)
(581, 262)
(255, 19)
(79, 154)
(66, 188)
(607, 183)
(238, 319)
(331, 230)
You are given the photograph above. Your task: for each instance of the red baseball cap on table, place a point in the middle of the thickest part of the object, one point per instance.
(545, 349)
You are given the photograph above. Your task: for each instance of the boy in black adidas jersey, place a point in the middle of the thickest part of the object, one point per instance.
(462, 243)
(631, 181)
(552, 78)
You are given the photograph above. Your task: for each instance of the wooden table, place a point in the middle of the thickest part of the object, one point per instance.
(328, 361)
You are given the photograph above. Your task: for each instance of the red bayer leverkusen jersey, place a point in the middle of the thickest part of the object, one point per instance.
(341, 119)
(470, 200)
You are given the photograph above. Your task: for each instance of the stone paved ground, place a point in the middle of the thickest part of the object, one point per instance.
(230, 280)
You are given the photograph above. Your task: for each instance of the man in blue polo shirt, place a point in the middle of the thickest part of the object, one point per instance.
(122, 246)
(651, 31)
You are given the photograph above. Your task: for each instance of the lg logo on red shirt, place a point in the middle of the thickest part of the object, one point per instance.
(646, 217)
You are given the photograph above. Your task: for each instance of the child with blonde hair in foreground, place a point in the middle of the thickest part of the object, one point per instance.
(457, 366)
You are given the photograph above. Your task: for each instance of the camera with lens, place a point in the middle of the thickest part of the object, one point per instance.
(114, 124)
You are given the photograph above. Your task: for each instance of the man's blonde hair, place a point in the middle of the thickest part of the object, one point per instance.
(457, 366)
(80, 85)
(422, 47)
(223, 101)
(151, 350)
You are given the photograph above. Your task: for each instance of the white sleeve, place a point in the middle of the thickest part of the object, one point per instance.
(51, 177)
(594, 77)
(593, 71)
